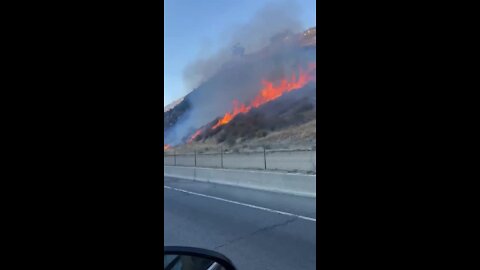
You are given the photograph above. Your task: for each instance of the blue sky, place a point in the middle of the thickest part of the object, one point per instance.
(195, 27)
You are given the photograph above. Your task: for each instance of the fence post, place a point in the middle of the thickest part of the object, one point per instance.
(195, 152)
(265, 157)
(174, 157)
(314, 163)
(221, 156)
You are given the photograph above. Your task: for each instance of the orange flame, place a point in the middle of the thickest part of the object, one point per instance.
(238, 108)
(270, 92)
(198, 132)
(166, 147)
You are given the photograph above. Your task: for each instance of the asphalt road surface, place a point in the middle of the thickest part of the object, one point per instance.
(255, 229)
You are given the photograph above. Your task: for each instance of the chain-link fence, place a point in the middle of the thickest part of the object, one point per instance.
(291, 160)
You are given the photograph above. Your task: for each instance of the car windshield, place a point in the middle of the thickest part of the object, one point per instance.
(240, 131)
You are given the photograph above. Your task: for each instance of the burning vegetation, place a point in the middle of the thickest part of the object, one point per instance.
(195, 135)
(268, 93)
(251, 96)
(270, 124)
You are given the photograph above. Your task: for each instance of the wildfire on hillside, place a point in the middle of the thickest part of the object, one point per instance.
(270, 91)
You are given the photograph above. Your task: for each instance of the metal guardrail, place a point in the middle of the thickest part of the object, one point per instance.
(302, 160)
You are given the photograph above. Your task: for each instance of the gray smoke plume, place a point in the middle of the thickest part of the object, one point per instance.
(274, 18)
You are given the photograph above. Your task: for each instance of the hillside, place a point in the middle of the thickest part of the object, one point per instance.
(289, 118)
(287, 123)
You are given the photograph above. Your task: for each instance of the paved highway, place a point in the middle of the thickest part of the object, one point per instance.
(255, 229)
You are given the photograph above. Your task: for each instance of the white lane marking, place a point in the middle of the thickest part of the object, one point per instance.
(243, 204)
